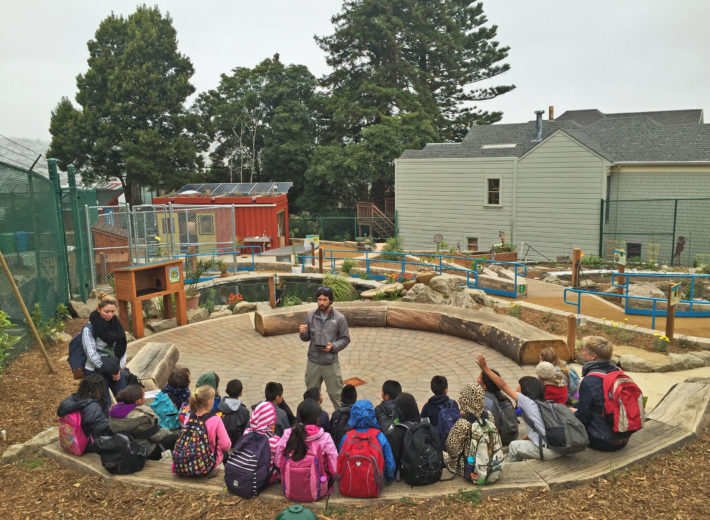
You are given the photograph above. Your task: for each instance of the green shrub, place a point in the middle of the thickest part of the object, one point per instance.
(593, 261)
(290, 301)
(393, 245)
(515, 310)
(348, 265)
(46, 328)
(343, 289)
(7, 342)
(661, 343)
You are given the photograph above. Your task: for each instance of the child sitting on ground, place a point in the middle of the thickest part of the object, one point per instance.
(386, 412)
(178, 387)
(500, 407)
(210, 379)
(549, 354)
(315, 394)
(273, 393)
(263, 421)
(341, 416)
(555, 383)
(235, 415)
(441, 406)
(89, 402)
(132, 416)
(189, 457)
(529, 390)
(306, 438)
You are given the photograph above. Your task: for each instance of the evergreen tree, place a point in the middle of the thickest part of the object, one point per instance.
(131, 124)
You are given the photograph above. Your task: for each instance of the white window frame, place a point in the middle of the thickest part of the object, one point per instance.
(486, 192)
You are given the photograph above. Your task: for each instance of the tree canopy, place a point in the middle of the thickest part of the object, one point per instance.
(131, 123)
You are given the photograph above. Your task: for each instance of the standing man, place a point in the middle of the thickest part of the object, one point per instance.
(327, 330)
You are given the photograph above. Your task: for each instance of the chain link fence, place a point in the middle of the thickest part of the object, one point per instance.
(32, 243)
(342, 228)
(663, 231)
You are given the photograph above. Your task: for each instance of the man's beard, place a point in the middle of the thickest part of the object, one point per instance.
(324, 308)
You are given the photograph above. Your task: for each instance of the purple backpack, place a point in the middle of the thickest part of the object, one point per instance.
(247, 470)
(305, 480)
(448, 415)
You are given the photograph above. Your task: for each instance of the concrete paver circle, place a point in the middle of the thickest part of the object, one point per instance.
(231, 348)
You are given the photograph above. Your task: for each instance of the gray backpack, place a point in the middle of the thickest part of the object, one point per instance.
(564, 433)
(504, 416)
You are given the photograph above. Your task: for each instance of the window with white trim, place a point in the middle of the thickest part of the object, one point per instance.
(493, 191)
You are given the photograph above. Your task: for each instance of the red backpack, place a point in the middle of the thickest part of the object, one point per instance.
(361, 465)
(623, 402)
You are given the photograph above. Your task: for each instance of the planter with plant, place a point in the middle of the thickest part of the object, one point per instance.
(194, 273)
(223, 268)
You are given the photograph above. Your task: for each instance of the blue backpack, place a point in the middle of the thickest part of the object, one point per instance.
(166, 411)
(448, 415)
(247, 470)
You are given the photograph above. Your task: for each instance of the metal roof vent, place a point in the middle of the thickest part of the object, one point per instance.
(538, 125)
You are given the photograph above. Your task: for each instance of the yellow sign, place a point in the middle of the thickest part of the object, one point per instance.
(674, 297)
(620, 256)
(311, 239)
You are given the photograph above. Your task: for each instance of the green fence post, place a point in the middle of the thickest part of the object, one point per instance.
(62, 263)
(601, 230)
(78, 235)
(675, 216)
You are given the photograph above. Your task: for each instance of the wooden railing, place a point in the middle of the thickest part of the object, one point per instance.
(371, 217)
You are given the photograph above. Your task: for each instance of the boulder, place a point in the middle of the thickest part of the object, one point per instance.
(195, 315)
(446, 284)
(426, 295)
(221, 314)
(151, 308)
(81, 309)
(57, 338)
(677, 361)
(704, 355)
(479, 296)
(12, 453)
(417, 288)
(369, 294)
(646, 290)
(161, 325)
(244, 307)
(634, 363)
(463, 300)
(686, 361)
(425, 276)
(410, 283)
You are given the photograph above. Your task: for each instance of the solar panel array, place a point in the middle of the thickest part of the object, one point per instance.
(239, 188)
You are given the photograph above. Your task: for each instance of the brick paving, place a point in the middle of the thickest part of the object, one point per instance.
(231, 348)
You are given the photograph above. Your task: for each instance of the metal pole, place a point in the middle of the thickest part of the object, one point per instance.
(601, 230)
(234, 238)
(62, 262)
(130, 234)
(675, 216)
(78, 242)
(170, 227)
(145, 238)
(90, 246)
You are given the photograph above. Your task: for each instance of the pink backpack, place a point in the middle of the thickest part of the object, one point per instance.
(305, 480)
(71, 436)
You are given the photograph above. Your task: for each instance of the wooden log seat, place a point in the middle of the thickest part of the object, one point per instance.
(514, 338)
(154, 363)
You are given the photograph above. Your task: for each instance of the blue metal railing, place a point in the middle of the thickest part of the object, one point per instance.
(653, 311)
(253, 250)
(437, 261)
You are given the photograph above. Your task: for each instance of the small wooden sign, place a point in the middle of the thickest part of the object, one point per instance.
(674, 295)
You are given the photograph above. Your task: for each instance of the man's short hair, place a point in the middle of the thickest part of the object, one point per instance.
(273, 390)
(602, 347)
(234, 388)
(348, 395)
(391, 388)
(439, 385)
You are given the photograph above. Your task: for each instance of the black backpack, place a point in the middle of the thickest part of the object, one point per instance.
(120, 455)
(422, 460)
(339, 424)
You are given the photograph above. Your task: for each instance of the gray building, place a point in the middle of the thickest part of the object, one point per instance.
(585, 179)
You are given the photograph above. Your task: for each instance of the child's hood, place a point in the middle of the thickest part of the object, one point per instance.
(313, 432)
(362, 415)
(73, 404)
(229, 404)
(121, 410)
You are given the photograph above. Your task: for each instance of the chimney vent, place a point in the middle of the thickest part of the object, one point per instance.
(538, 125)
(551, 112)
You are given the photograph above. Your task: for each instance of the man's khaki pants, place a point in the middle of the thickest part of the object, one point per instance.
(316, 374)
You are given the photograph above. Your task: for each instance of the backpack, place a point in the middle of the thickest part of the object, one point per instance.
(247, 470)
(564, 433)
(305, 480)
(447, 417)
(339, 425)
(76, 356)
(623, 402)
(361, 465)
(387, 415)
(573, 382)
(486, 449)
(120, 454)
(166, 411)
(234, 424)
(71, 437)
(192, 455)
(184, 413)
(508, 427)
(422, 460)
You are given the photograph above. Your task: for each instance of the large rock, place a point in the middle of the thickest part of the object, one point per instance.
(446, 284)
(195, 315)
(634, 363)
(463, 300)
(686, 361)
(154, 363)
(151, 308)
(479, 296)
(161, 325)
(410, 283)
(221, 314)
(426, 295)
(81, 309)
(244, 307)
(646, 290)
(57, 338)
(425, 276)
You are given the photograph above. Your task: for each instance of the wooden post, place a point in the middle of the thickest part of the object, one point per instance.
(192, 251)
(320, 260)
(28, 318)
(620, 279)
(571, 335)
(673, 298)
(272, 292)
(313, 254)
(576, 257)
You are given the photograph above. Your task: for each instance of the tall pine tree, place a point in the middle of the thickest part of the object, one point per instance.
(131, 124)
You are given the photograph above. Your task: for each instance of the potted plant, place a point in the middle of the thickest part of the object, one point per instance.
(222, 266)
(194, 273)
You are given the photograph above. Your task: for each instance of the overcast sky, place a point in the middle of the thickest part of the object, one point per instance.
(614, 55)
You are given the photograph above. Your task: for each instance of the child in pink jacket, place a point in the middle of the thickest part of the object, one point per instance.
(304, 446)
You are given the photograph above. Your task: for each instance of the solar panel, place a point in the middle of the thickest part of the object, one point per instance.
(239, 188)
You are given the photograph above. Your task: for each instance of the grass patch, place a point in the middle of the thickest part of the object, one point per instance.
(515, 310)
(331, 509)
(471, 496)
(615, 474)
(32, 463)
(406, 501)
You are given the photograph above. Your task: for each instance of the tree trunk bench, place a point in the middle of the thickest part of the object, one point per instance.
(509, 336)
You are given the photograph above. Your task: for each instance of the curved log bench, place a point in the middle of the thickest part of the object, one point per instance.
(509, 336)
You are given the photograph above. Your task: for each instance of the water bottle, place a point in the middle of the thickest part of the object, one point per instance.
(469, 468)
